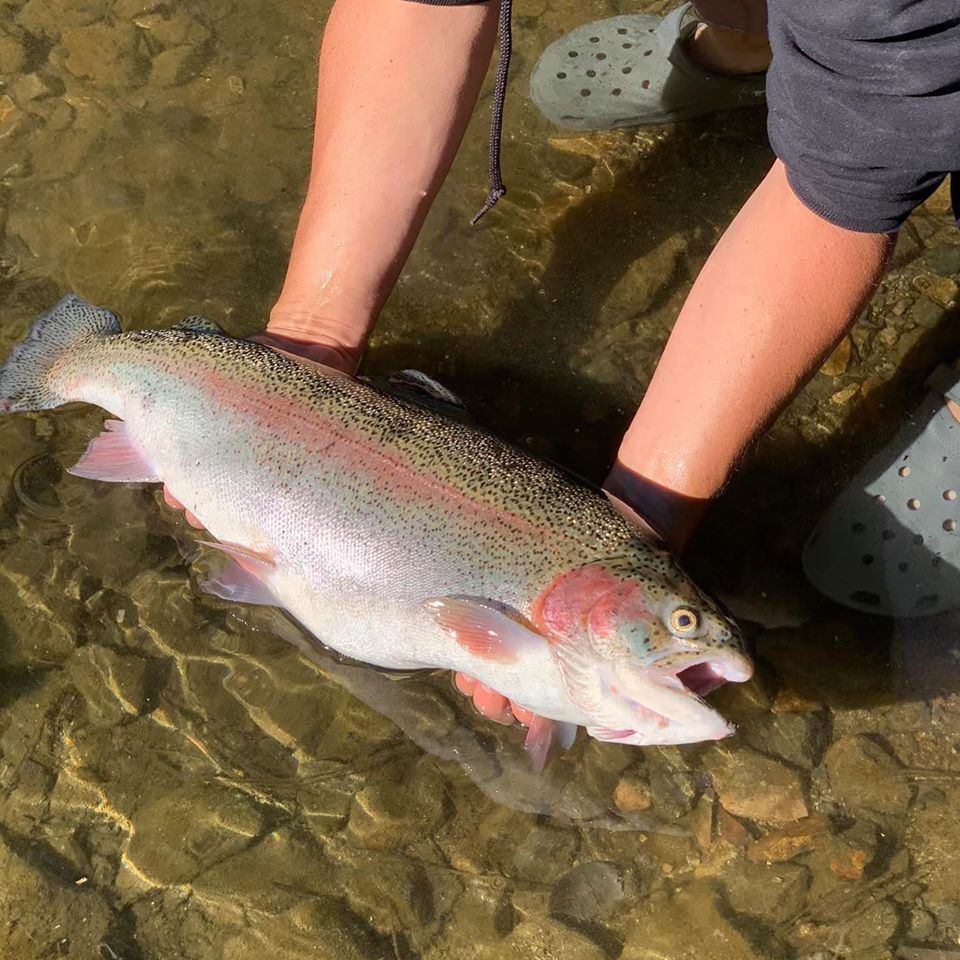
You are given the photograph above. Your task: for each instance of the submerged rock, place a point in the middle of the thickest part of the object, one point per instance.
(318, 927)
(934, 837)
(752, 785)
(398, 806)
(687, 926)
(43, 914)
(544, 940)
(790, 841)
(632, 794)
(104, 54)
(181, 833)
(774, 894)
(865, 778)
(13, 53)
(588, 893)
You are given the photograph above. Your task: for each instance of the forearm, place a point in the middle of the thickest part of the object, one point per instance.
(777, 293)
(398, 82)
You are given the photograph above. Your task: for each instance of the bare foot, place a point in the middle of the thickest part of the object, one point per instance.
(728, 52)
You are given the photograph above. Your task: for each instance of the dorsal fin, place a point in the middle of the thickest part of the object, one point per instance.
(198, 324)
(425, 389)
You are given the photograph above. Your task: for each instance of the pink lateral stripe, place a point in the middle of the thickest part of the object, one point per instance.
(237, 397)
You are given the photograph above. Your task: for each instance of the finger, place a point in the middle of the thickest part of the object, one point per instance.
(492, 705)
(466, 685)
(525, 716)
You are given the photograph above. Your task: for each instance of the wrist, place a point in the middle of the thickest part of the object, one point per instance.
(657, 511)
(328, 339)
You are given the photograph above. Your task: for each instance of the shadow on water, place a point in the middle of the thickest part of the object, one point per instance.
(519, 380)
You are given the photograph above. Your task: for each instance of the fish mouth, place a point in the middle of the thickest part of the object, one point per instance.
(705, 674)
(670, 703)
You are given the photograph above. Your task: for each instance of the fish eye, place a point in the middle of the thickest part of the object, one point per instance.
(684, 621)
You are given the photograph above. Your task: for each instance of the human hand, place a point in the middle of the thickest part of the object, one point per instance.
(324, 351)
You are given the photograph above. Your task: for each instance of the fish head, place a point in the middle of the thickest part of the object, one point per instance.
(639, 648)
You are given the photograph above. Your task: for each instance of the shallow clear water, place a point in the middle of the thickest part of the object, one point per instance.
(177, 780)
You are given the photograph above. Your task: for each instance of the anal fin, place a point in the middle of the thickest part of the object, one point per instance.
(239, 585)
(114, 457)
(244, 578)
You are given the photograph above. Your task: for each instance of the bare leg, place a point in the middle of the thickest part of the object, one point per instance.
(778, 292)
(732, 38)
(398, 83)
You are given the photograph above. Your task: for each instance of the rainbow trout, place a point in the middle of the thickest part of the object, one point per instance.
(397, 535)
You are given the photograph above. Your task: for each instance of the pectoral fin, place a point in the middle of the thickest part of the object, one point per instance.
(486, 631)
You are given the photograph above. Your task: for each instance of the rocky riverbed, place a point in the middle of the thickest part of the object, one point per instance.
(178, 780)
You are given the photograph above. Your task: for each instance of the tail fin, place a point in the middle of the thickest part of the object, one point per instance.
(23, 378)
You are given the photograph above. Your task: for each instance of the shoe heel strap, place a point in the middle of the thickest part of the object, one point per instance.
(945, 380)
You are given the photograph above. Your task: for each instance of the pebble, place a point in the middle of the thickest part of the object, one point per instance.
(673, 785)
(30, 87)
(543, 939)
(752, 785)
(731, 829)
(632, 794)
(838, 361)
(789, 841)
(865, 778)
(789, 700)
(844, 396)
(175, 65)
(176, 30)
(790, 736)
(939, 290)
(871, 927)
(12, 119)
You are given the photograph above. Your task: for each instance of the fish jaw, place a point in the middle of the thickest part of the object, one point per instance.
(647, 706)
(684, 716)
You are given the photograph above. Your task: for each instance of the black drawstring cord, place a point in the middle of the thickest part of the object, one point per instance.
(497, 189)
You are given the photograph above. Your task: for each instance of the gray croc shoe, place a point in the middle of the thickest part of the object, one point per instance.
(890, 543)
(632, 71)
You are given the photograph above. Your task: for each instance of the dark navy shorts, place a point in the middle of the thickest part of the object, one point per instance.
(864, 105)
